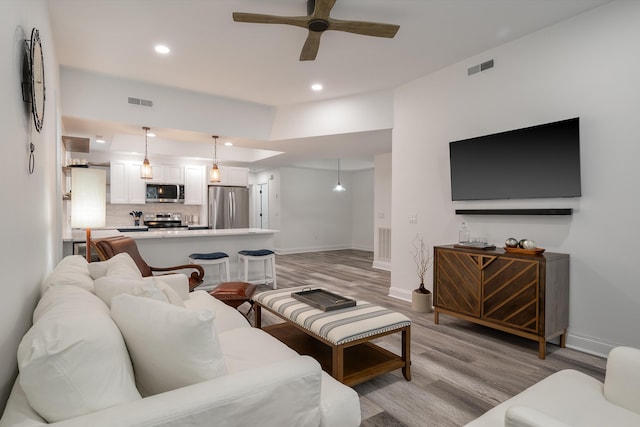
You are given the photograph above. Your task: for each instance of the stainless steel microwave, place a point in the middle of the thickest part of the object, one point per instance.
(165, 193)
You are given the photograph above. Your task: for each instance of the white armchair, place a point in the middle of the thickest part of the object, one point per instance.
(571, 398)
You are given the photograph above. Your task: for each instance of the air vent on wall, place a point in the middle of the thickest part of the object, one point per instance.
(140, 102)
(480, 67)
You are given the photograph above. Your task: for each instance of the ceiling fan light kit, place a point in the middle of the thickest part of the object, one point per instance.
(318, 21)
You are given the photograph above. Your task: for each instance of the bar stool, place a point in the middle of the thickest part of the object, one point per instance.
(264, 255)
(220, 259)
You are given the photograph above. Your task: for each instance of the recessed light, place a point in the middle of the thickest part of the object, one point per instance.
(228, 143)
(162, 49)
(316, 87)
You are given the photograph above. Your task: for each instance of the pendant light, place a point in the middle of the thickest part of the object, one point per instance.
(339, 188)
(146, 171)
(214, 173)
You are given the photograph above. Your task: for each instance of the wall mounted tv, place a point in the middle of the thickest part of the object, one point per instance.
(536, 162)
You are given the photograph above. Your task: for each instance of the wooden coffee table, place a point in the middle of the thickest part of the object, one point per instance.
(345, 351)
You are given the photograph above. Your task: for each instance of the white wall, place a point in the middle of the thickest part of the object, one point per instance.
(362, 195)
(382, 206)
(312, 216)
(587, 67)
(31, 235)
(95, 96)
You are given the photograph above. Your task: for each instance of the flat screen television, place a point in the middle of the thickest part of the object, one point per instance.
(535, 162)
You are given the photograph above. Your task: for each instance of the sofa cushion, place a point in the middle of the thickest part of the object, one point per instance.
(119, 265)
(170, 346)
(73, 360)
(108, 287)
(622, 381)
(239, 349)
(227, 317)
(524, 416)
(71, 270)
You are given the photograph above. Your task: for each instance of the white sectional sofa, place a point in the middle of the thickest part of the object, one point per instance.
(571, 398)
(109, 348)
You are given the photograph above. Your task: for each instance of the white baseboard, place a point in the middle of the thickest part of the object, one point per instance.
(381, 265)
(401, 294)
(589, 345)
(289, 251)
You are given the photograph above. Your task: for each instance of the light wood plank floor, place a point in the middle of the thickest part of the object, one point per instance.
(459, 370)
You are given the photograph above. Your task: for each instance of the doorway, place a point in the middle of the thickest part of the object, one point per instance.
(261, 219)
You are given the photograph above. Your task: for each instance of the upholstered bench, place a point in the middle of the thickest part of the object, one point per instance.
(348, 333)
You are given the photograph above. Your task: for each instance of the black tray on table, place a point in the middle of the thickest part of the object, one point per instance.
(323, 300)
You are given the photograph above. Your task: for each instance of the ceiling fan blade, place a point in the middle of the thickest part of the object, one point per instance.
(364, 28)
(257, 18)
(310, 48)
(323, 9)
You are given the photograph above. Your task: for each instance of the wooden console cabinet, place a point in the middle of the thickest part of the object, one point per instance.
(526, 295)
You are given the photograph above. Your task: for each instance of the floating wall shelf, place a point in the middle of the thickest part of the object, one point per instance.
(551, 211)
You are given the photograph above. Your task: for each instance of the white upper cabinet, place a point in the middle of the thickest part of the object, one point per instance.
(194, 185)
(167, 174)
(234, 176)
(125, 183)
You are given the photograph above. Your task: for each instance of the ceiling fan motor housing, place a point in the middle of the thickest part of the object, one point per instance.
(318, 25)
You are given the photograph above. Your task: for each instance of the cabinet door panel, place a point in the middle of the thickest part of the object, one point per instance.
(510, 289)
(458, 282)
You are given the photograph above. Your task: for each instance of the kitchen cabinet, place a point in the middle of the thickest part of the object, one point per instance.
(126, 186)
(234, 176)
(194, 185)
(167, 174)
(526, 295)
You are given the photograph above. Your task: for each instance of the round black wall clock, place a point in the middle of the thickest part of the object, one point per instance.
(38, 90)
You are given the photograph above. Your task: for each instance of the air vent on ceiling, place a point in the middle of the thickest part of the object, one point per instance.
(140, 102)
(480, 67)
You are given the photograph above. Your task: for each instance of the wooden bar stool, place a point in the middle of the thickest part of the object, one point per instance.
(220, 259)
(266, 256)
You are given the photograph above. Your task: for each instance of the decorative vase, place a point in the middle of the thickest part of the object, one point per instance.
(421, 300)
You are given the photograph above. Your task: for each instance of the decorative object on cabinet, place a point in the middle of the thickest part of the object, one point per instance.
(339, 188)
(525, 295)
(146, 171)
(421, 298)
(89, 201)
(214, 174)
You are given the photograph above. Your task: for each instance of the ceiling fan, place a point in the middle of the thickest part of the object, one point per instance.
(318, 21)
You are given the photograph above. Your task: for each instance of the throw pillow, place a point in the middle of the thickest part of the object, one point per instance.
(108, 287)
(119, 265)
(71, 270)
(172, 296)
(73, 360)
(170, 347)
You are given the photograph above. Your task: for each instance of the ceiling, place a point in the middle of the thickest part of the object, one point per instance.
(211, 53)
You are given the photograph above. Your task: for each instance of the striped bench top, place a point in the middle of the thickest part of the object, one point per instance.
(336, 326)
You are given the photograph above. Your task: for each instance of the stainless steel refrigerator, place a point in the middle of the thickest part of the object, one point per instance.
(228, 207)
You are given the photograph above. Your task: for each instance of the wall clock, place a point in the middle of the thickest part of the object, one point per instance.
(36, 79)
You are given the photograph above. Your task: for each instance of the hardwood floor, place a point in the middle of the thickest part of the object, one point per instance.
(459, 370)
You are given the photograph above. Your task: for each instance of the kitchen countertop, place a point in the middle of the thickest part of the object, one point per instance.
(78, 235)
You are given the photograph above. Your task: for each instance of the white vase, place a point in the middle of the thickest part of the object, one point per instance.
(421, 303)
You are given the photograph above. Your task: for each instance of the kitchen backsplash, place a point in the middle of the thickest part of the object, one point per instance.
(118, 215)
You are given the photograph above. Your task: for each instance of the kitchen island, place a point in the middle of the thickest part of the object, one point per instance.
(167, 247)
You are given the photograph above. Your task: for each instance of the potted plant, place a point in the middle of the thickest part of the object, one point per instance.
(421, 298)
